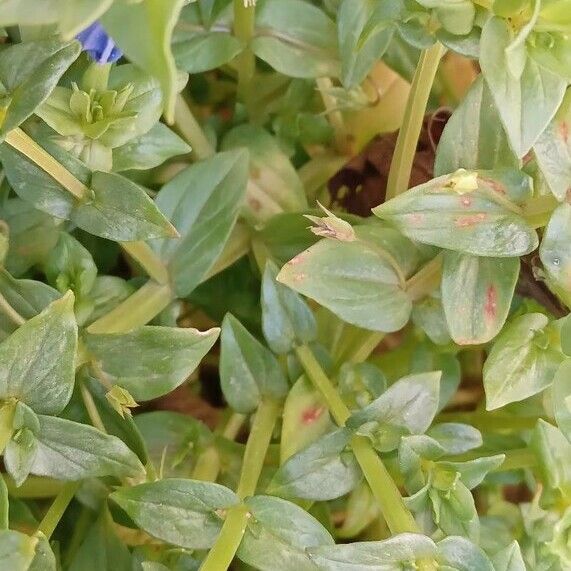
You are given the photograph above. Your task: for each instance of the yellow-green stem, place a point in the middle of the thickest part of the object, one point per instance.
(10, 312)
(222, 553)
(403, 157)
(426, 279)
(191, 131)
(28, 147)
(35, 487)
(137, 310)
(244, 20)
(57, 509)
(396, 514)
(143, 254)
(92, 411)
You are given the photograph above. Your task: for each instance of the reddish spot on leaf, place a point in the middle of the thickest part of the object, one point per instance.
(415, 218)
(255, 204)
(299, 277)
(494, 185)
(491, 305)
(466, 201)
(468, 220)
(564, 131)
(310, 415)
(296, 260)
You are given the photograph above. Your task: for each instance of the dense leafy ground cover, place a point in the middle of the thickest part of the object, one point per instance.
(244, 324)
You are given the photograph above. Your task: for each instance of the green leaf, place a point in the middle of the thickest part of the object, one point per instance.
(553, 151)
(353, 280)
(274, 185)
(121, 211)
(460, 554)
(391, 554)
(22, 448)
(203, 203)
(553, 451)
(200, 45)
(476, 295)
(296, 39)
(456, 438)
(522, 362)
(26, 297)
(149, 149)
(143, 32)
(16, 550)
(474, 471)
(509, 558)
(325, 470)
(428, 315)
(181, 512)
(466, 212)
(37, 362)
(29, 72)
(118, 209)
(101, 549)
(33, 234)
(360, 383)
(150, 361)
(474, 137)
(561, 397)
(71, 266)
(248, 371)
(364, 29)
(287, 321)
(554, 252)
(69, 450)
(305, 418)
(526, 101)
(406, 407)
(279, 534)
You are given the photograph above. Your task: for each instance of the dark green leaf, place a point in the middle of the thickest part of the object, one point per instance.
(296, 39)
(286, 319)
(202, 202)
(28, 72)
(150, 361)
(248, 371)
(68, 450)
(149, 149)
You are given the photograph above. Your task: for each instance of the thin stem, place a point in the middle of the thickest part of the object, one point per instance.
(334, 115)
(57, 509)
(92, 411)
(396, 514)
(35, 487)
(190, 129)
(405, 149)
(28, 147)
(426, 279)
(244, 20)
(222, 553)
(142, 253)
(137, 310)
(10, 311)
(257, 446)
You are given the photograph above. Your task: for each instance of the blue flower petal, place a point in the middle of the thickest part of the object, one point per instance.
(98, 44)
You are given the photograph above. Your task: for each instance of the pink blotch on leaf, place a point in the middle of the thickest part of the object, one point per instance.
(469, 220)
(564, 131)
(310, 415)
(491, 305)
